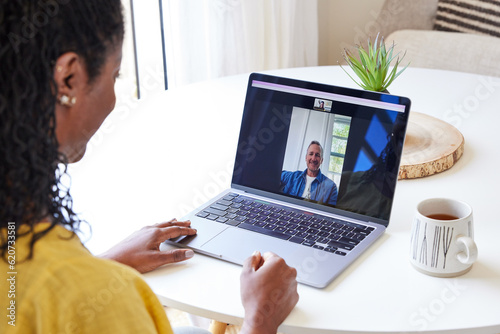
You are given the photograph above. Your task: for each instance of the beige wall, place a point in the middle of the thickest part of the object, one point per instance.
(344, 23)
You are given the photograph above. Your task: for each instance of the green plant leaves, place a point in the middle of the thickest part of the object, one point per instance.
(372, 68)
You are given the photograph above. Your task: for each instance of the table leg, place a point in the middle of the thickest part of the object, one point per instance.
(217, 327)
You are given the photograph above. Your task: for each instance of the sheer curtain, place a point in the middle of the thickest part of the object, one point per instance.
(205, 39)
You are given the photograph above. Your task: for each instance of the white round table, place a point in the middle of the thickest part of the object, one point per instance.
(162, 156)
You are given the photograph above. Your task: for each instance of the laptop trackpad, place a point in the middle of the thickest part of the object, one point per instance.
(236, 245)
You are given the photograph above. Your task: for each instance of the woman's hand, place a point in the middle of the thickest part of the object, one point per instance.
(268, 292)
(141, 250)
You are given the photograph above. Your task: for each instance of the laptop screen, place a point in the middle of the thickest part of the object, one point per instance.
(325, 147)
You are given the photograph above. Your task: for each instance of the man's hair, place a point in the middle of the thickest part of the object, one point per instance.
(315, 142)
(33, 35)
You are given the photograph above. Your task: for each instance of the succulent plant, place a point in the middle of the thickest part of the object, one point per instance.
(372, 68)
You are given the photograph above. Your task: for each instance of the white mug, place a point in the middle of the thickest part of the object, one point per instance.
(442, 239)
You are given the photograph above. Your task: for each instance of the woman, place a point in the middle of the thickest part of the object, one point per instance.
(59, 61)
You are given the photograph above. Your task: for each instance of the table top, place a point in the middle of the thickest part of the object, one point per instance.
(158, 158)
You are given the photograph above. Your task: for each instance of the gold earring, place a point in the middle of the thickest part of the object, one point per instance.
(67, 101)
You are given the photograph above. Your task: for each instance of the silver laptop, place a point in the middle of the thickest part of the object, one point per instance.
(314, 178)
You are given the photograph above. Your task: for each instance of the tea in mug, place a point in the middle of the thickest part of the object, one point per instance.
(441, 216)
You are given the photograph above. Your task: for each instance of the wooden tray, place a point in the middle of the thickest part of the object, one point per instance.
(431, 146)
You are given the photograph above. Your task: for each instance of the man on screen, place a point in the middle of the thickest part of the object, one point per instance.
(310, 183)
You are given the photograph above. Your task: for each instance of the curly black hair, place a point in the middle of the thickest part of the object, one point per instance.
(33, 34)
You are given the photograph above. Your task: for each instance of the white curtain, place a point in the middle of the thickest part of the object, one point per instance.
(206, 39)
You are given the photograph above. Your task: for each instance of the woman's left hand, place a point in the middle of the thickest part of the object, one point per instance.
(141, 250)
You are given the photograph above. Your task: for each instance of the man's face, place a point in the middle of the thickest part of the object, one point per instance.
(314, 158)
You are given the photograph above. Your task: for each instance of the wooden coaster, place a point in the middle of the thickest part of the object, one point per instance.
(431, 146)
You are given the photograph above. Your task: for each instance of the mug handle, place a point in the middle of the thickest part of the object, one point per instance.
(470, 250)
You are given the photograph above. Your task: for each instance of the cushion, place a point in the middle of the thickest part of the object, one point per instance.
(470, 16)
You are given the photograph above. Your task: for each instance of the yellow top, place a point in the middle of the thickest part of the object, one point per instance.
(64, 289)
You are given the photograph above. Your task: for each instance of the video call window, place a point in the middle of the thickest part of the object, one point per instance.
(322, 105)
(315, 151)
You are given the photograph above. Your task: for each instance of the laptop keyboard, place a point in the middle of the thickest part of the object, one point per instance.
(311, 230)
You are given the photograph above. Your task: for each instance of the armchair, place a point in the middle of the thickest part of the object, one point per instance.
(410, 24)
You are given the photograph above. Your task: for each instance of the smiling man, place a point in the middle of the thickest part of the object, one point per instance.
(311, 183)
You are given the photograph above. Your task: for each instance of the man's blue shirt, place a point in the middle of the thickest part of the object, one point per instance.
(323, 189)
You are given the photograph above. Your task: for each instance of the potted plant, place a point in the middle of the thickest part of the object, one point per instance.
(372, 67)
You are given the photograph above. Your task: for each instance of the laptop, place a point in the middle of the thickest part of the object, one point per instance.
(314, 177)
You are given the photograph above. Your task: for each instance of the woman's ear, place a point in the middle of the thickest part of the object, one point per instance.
(69, 74)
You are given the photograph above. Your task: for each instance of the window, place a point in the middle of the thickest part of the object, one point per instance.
(341, 127)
